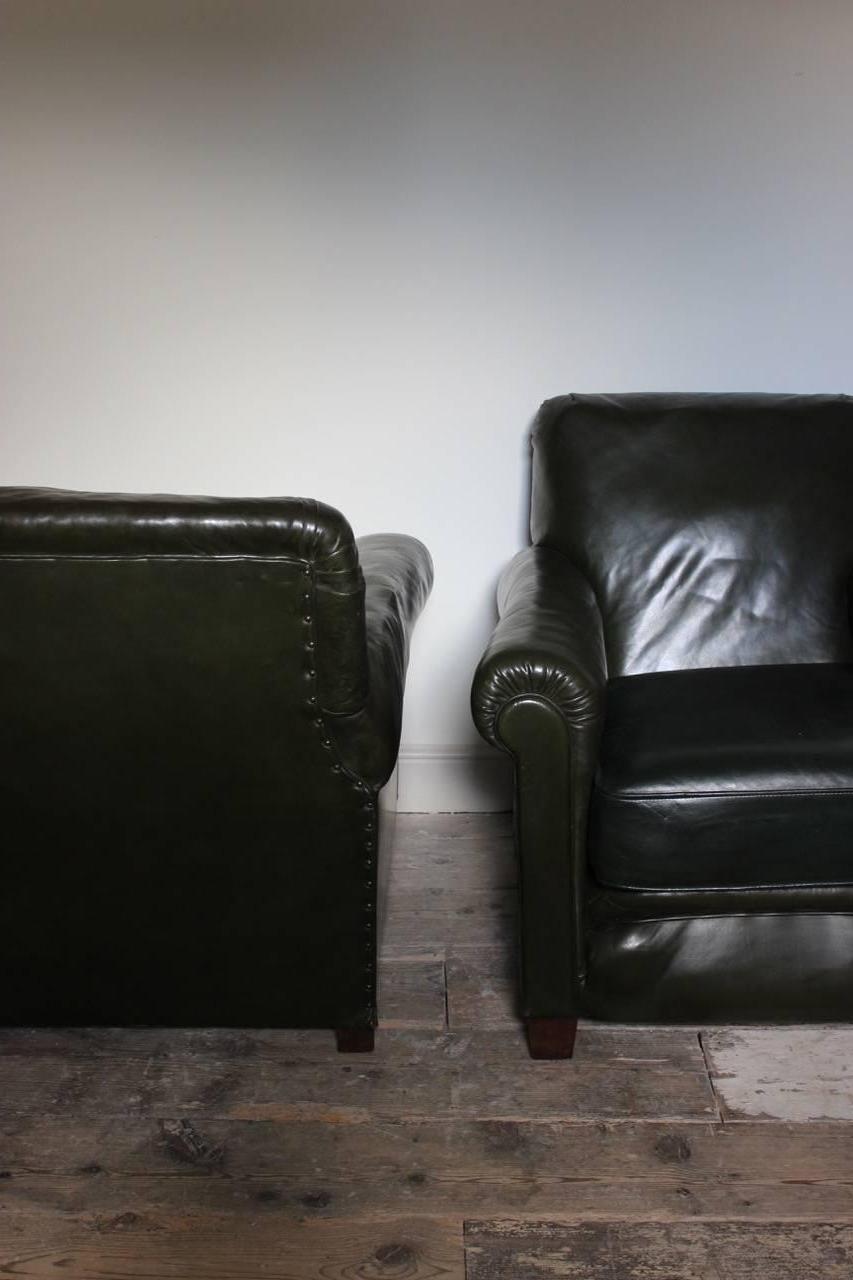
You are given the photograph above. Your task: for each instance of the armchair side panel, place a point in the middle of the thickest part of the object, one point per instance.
(183, 842)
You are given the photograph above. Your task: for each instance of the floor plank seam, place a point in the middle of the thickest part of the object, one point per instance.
(717, 1103)
(466, 1275)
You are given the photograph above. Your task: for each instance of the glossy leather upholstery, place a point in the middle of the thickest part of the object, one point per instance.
(714, 530)
(201, 700)
(671, 675)
(722, 778)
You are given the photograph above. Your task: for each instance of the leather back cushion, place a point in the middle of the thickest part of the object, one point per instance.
(716, 530)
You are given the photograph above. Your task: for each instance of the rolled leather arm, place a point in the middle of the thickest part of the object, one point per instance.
(539, 694)
(548, 643)
(398, 577)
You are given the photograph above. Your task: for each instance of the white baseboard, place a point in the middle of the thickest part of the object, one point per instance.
(466, 779)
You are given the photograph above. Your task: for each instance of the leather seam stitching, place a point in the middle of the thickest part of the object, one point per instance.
(641, 798)
(717, 915)
(788, 887)
(117, 559)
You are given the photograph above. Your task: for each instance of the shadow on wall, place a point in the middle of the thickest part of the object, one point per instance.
(525, 475)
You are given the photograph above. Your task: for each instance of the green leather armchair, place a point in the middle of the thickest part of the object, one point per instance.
(200, 702)
(671, 674)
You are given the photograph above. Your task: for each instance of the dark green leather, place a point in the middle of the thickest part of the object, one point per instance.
(685, 839)
(714, 530)
(398, 576)
(200, 701)
(735, 968)
(539, 693)
(721, 778)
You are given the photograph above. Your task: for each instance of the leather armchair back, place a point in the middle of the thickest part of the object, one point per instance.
(715, 530)
(166, 663)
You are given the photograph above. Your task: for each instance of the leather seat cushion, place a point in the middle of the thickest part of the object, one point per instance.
(733, 777)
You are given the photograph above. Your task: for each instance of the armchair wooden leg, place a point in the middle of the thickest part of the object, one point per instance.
(551, 1037)
(354, 1039)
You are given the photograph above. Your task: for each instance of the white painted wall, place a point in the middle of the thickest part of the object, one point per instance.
(343, 248)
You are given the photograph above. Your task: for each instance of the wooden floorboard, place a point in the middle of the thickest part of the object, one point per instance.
(128, 1246)
(410, 1075)
(655, 1154)
(783, 1073)
(414, 1151)
(658, 1251)
(482, 990)
(413, 993)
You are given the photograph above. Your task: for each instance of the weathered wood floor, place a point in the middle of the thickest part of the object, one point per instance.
(657, 1154)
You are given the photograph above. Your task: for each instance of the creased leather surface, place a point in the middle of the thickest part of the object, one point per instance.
(548, 642)
(182, 842)
(736, 968)
(715, 530)
(723, 778)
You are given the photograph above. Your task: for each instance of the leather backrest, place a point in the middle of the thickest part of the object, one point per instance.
(716, 530)
(183, 647)
(229, 540)
(166, 769)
